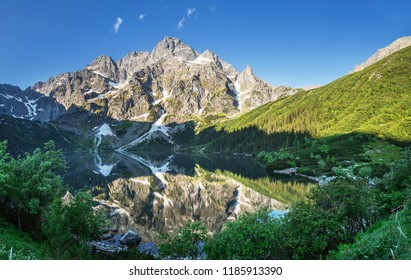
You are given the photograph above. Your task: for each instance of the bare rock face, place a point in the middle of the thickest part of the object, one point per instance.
(174, 80)
(104, 66)
(130, 64)
(384, 52)
(131, 101)
(28, 104)
(253, 92)
(171, 47)
(130, 238)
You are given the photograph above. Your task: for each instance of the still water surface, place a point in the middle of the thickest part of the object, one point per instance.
(154, 193)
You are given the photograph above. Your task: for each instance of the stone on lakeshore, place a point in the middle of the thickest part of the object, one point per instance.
(130, 238)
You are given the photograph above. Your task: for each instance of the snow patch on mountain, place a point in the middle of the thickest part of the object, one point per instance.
(157, 171)
(103, 169)
(237, 90)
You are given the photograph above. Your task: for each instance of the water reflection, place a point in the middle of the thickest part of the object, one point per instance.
(153, 193)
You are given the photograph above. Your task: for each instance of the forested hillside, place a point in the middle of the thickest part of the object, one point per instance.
(373, 101)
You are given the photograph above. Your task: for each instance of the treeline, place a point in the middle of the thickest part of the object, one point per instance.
(246, 140)
(317, 157)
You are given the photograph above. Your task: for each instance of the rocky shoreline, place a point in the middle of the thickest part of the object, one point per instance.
(120, 242)
(322, 180)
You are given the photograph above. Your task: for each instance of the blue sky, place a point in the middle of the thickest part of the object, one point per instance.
(294, 43)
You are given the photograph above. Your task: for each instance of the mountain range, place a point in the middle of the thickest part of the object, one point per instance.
(173, 79)
(155, 95)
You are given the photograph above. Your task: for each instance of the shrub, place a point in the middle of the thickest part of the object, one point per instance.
(253, 236)
(29, 184)
(186, 244)
(68, 226)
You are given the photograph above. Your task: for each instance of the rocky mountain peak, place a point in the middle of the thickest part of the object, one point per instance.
(247, 75)
(210, 55)
(105, 66)
(181, 81)
(172, 47)
(248, 71)
(100, 61)
(384, 52)
(131, 63)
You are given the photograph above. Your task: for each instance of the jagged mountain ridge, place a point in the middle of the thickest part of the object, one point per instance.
(395, 46)
(28, 104)
(173, 78)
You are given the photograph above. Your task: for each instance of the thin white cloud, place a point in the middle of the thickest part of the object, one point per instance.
(212, 8)
(116, 26)
(190, 11)
(181, 23)
(141, 17)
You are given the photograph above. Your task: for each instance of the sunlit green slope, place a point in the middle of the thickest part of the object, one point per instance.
(376, 100)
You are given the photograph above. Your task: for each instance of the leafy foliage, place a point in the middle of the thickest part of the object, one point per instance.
(320, 156)
(30, 196)
(253, 236)
(312, 231)
(388, 239)
(68, 226)
(32, 184)
(334, 214)
(395, 184)
(186, 244)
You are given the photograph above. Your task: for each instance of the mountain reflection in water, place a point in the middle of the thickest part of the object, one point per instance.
(151, 194)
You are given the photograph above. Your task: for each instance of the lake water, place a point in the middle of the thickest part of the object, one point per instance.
(154, 193)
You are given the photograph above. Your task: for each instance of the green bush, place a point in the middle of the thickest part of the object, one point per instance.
(388, 239)
(29, 184)
(186, 244)
(253, 236)
(70, 225)
(310, 231)
(333, 214)
(395, 184)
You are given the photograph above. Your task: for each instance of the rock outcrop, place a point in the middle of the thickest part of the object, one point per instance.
(28, 104)
(384, 52)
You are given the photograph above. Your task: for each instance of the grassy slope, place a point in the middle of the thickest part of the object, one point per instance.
(374, 101)
(387, 239)
(24, 248)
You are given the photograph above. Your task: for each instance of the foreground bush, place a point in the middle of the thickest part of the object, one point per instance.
(186, 244)
(253, 236)
(388, 239)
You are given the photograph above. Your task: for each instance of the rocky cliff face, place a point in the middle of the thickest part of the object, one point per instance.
(384, 52)
(253, 92)
(28, 104)
(172, 85)
(173, 79)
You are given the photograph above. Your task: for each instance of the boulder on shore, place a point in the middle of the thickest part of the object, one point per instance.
(130, 238)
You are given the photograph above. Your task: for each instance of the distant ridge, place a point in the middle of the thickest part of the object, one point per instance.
(384, 52)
